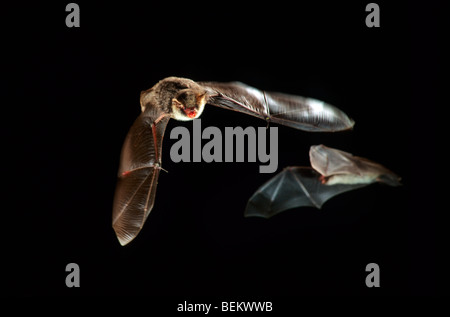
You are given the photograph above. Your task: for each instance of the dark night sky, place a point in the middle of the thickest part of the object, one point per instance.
(73, 94)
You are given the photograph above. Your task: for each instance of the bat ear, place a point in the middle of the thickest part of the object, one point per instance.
(176, 103)
(200, 98)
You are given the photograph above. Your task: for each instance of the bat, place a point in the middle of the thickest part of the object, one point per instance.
(183, 99)
(333, 172)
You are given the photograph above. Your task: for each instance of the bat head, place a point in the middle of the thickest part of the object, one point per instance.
(188, 104)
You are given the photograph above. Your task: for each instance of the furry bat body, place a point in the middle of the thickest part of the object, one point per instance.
(333, 172)
(184, 99)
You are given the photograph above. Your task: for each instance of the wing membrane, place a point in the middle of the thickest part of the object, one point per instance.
(138, 175)
(291, 188)
(294, 111)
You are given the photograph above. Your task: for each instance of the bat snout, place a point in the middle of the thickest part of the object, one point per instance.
(188, 104)
(191, 112)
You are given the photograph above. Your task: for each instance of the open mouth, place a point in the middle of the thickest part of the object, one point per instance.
(190, 112)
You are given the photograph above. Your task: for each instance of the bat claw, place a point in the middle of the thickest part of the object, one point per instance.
(322, 179)
(164, 170)
(158, 166)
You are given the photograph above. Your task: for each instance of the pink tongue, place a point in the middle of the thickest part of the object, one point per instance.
(191, 113)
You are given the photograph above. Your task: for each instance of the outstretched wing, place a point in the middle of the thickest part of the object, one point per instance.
(138, 174)
(294, 111)
(293, 187)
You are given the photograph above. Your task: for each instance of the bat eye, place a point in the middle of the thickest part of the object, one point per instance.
(184, 97)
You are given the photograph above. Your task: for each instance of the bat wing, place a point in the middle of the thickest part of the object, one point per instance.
(138, 174)
(294, 111)
(291, 188)
(332, 162)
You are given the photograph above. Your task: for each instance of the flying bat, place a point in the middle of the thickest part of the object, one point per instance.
(333, 172)
(183, 99)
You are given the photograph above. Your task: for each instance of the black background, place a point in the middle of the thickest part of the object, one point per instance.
(73, 93)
